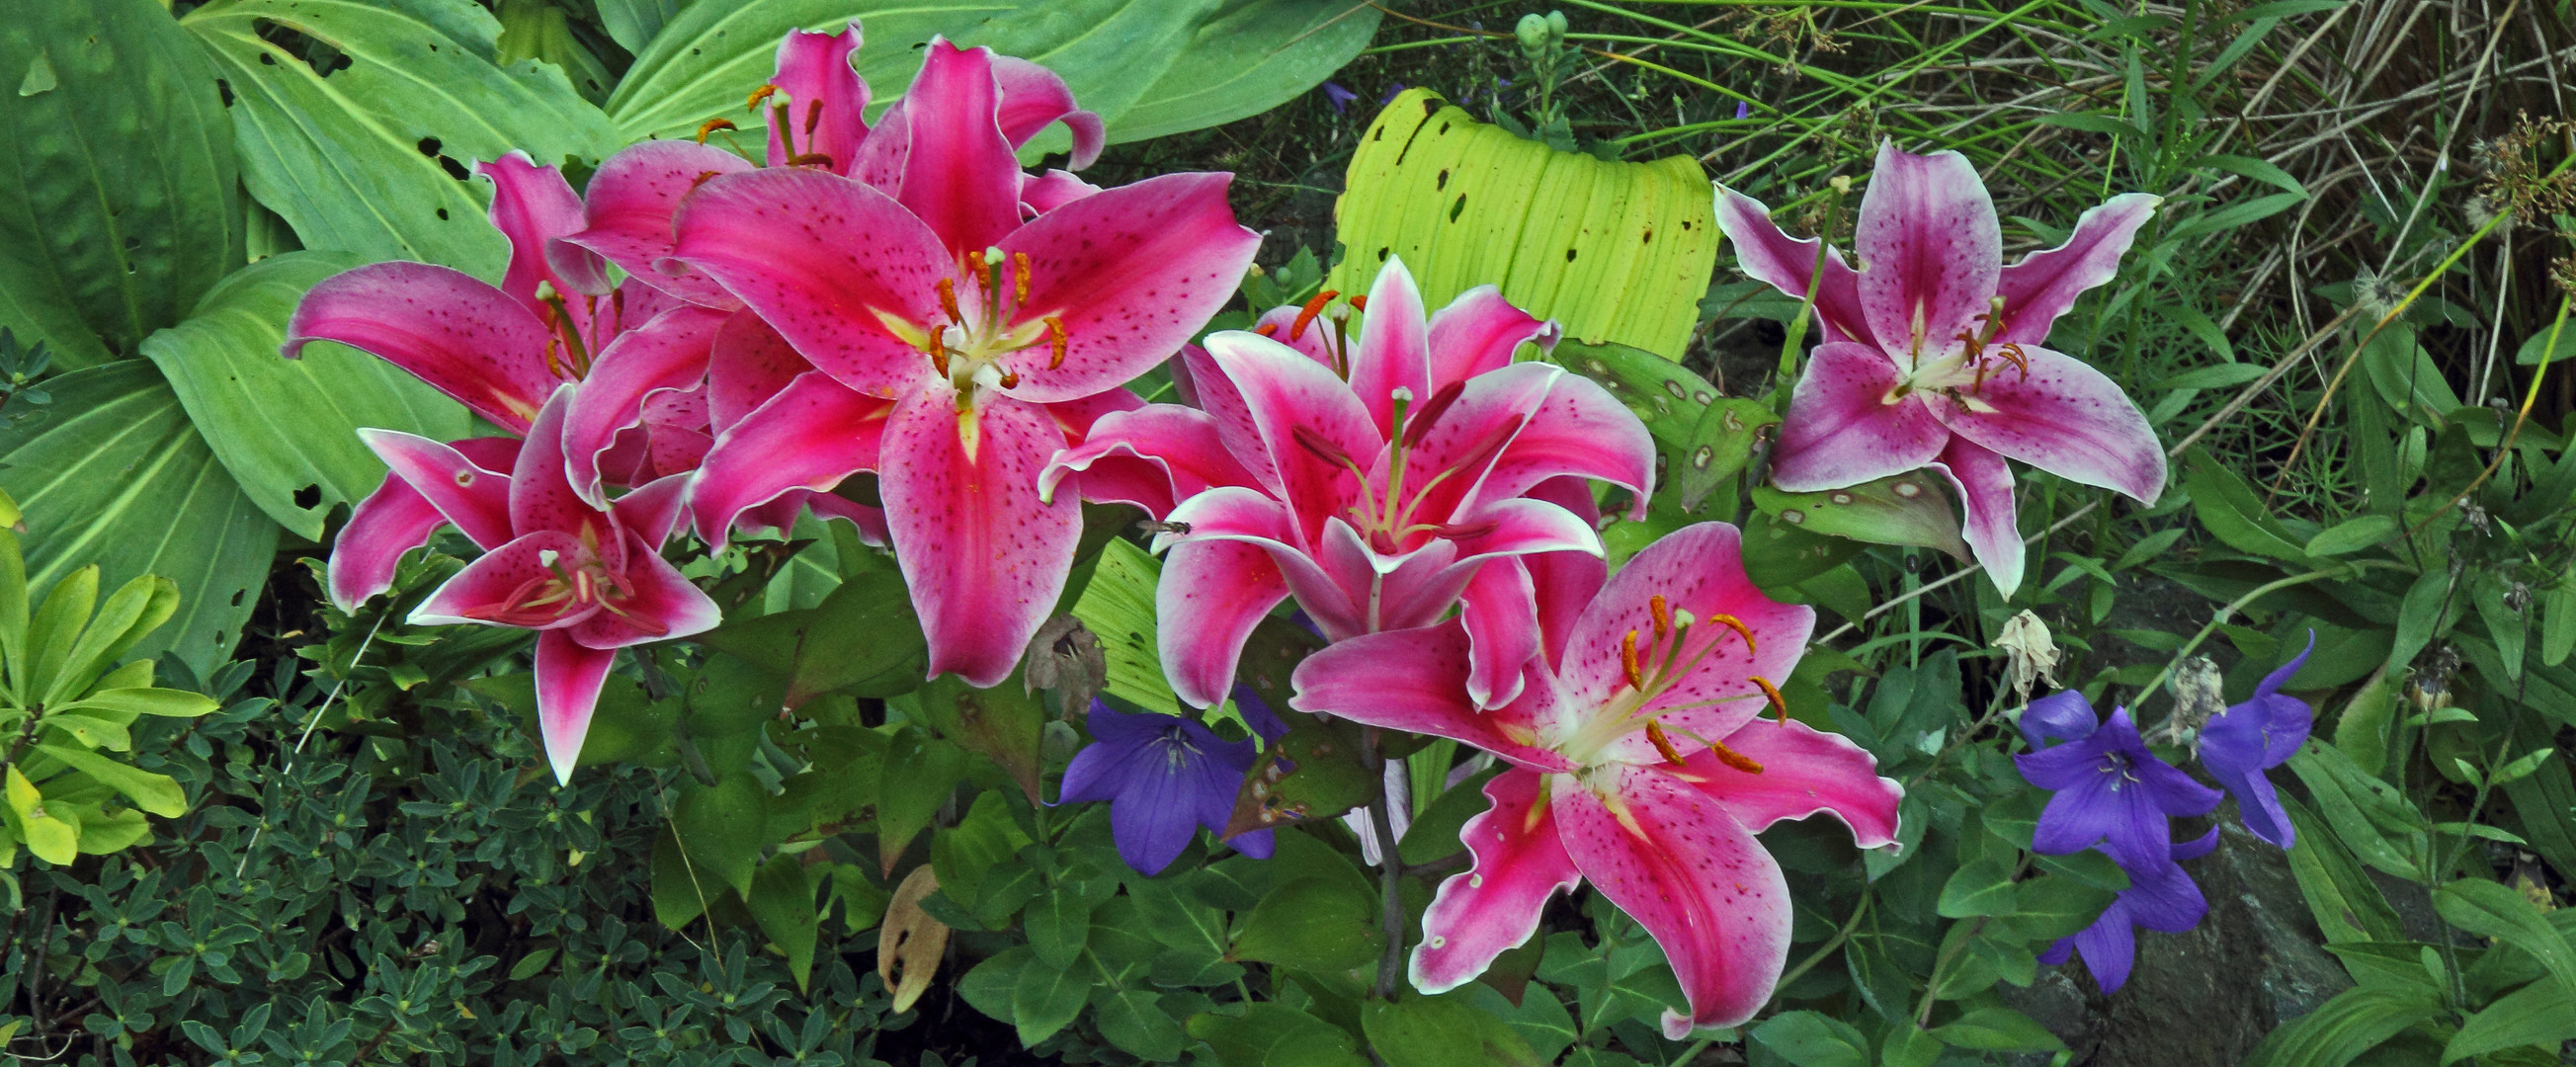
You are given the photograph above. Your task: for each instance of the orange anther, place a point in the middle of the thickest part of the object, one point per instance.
(701, 179)
(1267, 329)
(810, 159)
(1010, 379)
(948, 301)
(711, 126)
(758, 95)
(1056, 339)
(1772, 693)
(1306, 315)
(1359, 303)
(1733, 758)
(1663, 614)
(1628, 661)
(982, 271)
(813, 115)
(1655, 734)
(1737, 625)
(1020, 277)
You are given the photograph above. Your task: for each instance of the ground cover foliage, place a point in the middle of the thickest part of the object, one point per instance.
(345, 847)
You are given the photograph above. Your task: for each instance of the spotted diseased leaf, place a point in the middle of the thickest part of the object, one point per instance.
(910, 942)
(1902, 509)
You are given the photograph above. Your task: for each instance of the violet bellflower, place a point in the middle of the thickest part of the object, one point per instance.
(2110, 790)
(1638, 760)
(2238, 745)
(1381, 475)
(964, 321)
(1165, 778)
(2160, 898)
(1931, 353)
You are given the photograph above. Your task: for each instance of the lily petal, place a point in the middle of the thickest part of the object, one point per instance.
(391, 521)
(1252, 517)
(1042, 193)
(533, 205)
(448, 328)
(1842, 428)
(652, 511)
(1499, 612)
(668, 353)
(1676, 861)
(1804, 771)
(474, 497)
(1212, 594)
(1479, 331)
(569, 677)
(959, 174)
(1930, 248)
(1153, 457)
(1297, 407)
(1985, 487)
(1414, 680)
(1130, 273)
(985, 559)
(1697, 569)
(542, 496)
(1578, 429)
(484, 592)
(1393, 350)
(1034, 98)
(747, 364)
(629, 208)
(1564, 582)
(1769, 255)
(659, 604)
(827, 102)
(2068, 419)
(824, 260)
(811, 435)
(2044, 284)
(1495, 904)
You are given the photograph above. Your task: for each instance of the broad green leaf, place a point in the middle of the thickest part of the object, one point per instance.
(1984, 887)
(373, 158)
(988, 986)
(782, 903)
(1118, 608)
(1246, 57)
(2351, 535)
(2048, 908)
(2483, 907)
(2431, 605)
(1997, 1030)
(1903, 509)
(2363, 810)
(2353, 1022)
(864, 639)
(1808, 1039)
(978, 850)
(920, 772)
(1109, 52)
(1134, 1020)
(122, 199)
(2406, 376)
(535, 29)
(288, 429)
(532, 964)
(156, 793)
(2346, 904)
(2557, 624)
(2542, 1013)
(1444, 1031)
(709, 57)
(719, 828)
(1046, 999)
(1001, 724)
(116, 476)
(1617, 252)
(1059, 924)
(2546, 801)
(2234, 513)
(168, 703)
(2509, 627)
(633, 23)
(1264, 1034)
(1312, 923)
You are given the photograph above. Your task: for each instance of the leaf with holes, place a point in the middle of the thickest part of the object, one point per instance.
(1618, 252)
(1902, 509)
(288, 429)
(374, 157)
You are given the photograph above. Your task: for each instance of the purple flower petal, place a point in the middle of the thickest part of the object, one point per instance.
(2065, 716)
(1339, 97)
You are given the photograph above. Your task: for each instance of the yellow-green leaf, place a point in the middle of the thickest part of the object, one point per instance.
(156, 793)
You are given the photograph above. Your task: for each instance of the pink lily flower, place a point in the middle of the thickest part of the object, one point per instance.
(1638, 759)
(954, 339)
(590, 580)
(1380, 478)
(1932, 356)
(502, 351)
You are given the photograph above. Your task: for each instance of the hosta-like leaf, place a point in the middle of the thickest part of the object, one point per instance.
(1616, 251)
(288, 429)
(374, 157)
(1247, 57)
(119, 199)
(1903, 509)
(706, 60)
(115, 475)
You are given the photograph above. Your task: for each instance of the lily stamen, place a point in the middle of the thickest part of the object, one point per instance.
(1772, 693)
(1306, 315)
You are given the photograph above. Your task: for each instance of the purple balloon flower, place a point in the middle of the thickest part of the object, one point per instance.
(2239, 744)
(1339, 97)
(2058, 717)
(1164, 777)
(2112, 791)
(2160, 897)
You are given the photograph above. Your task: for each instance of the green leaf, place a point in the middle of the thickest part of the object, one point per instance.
(2557, 624)
(2483, 907)
(720, 826)
(2363, 810)
(532, 964)
(1134, 1020)
(1903, 509)
(167, 703)
(2546, 801)
(920, 772)
(1909, 1047)
(1246, 57)
(1108, 51)
(2340, 1030)
(2351, 535)
(1001, 724)
(968, 854)
(156, 793)
(287, 428)
(863, 639)
(633, 23)
(782, 902)
(1059, 924)
(704, 59)
(1435, 830)
(1265, 1034)
(1312, 923)
(681, 892)
(1807, 1039)
(2541, 1014)
(990, 984)
(1118, 608)
(1997, 1030)
(2347, 905)
(2234, 513)
(115, 475)
(1618, 252)
(372, 158)
(2049, 908)
(1441, 1031)
(123, 199)
(1984, 887)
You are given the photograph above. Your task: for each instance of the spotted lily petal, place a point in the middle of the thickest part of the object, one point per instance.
(1494, 906)
(985, 559)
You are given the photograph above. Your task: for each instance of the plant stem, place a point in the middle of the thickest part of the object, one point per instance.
(1390, 963)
